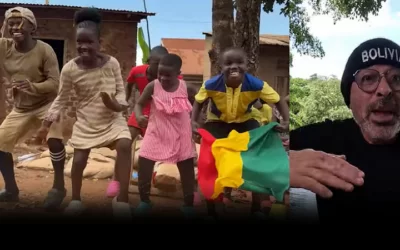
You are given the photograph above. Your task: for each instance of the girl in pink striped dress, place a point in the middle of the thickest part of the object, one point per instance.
(168, 135)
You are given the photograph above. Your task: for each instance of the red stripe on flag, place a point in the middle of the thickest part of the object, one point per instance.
(207, 172)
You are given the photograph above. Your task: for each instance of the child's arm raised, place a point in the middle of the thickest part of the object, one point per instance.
(143, 100)
(269, 95)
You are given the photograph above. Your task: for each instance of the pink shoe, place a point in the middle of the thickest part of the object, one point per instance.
(112, 189)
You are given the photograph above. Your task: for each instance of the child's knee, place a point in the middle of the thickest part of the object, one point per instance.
(80, 160)
(55, 145)
(78, 164)
(124, 146)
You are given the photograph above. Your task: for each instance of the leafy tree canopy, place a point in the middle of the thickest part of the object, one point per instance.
(301, 38)
(316, 99)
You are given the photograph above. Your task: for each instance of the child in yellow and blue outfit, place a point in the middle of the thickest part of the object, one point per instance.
(231, 96)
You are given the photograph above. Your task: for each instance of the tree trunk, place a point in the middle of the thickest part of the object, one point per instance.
(247, 31)
(222, 38)
(222, 31)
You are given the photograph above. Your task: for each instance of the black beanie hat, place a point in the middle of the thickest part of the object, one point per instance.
(371, 52)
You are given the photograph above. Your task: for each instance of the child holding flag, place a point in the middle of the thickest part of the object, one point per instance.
(232, 95)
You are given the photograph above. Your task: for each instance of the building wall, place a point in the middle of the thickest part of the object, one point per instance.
(196, 80)
(117, 39)
(273, 67)
(206, 62)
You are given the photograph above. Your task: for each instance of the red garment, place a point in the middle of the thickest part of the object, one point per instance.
(133, 123)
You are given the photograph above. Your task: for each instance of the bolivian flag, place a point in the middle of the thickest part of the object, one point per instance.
(255, 161)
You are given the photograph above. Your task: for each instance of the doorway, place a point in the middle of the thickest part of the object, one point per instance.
(58, 47)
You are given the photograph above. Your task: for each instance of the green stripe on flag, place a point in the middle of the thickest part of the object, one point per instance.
(266, 163)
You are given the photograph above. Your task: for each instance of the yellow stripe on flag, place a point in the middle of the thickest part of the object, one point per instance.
(228, 161)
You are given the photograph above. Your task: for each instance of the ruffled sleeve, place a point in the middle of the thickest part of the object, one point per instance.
(174, 105)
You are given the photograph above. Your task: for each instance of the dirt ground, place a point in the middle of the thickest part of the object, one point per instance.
(35, 184)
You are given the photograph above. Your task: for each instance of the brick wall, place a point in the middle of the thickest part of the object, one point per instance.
(118, 39)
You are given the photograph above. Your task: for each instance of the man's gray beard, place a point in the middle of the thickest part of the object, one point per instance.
(379, 134)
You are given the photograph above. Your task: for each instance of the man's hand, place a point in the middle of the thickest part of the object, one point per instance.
(317, 171)
(282, 127)
(111, 103)
(23, 85)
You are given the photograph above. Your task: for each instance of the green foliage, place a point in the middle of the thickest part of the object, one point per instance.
(301, 38)
(143, 45)
(315, 100)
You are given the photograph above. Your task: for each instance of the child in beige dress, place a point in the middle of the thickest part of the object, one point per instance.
(96, 79)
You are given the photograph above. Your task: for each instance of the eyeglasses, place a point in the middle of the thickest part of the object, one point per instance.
(368, 80)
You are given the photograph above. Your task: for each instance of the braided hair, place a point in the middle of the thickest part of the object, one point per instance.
(88, 18)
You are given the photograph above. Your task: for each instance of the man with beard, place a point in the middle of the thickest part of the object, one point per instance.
(356, 158)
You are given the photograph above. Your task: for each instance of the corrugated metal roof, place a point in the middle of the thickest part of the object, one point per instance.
(274, 40)
(32, 5)
(268, 39)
